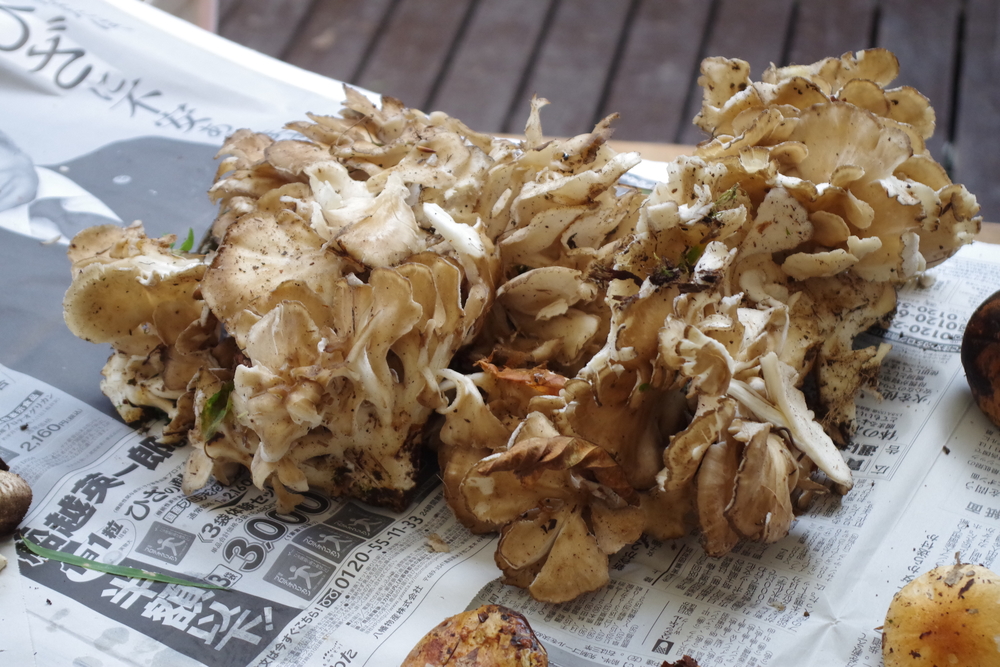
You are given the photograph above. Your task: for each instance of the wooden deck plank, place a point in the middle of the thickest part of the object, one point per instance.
(923, 34)
(264, 25)
(225, 7)
(830, 29)
(410, 54)
(481, 60)
(336, 35)
(484, 77)
(573, 66)
(977, 139)
(655, 72)
(751, 31)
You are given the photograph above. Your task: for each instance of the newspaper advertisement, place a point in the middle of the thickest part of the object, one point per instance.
(330, 575)
(113, 113)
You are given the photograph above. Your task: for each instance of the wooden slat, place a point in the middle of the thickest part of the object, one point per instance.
(652, 151)
(830, 29)
(657, 68)
(226, 7)
(265, 25)
(990, 233)
(412, 51)
(573, 66)
(751, 31)
(485, 74)
(336, 35)
(649, 150)
(977, 139)
(923, 35)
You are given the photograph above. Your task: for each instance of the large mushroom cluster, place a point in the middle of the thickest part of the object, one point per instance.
(589, 361)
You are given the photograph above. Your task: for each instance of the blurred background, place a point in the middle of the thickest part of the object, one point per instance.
(482, 60)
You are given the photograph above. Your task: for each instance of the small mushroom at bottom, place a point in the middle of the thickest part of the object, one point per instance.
(948, 616)
(490, 636)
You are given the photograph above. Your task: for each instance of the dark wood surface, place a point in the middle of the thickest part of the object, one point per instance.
(486, 74)
(482, 60)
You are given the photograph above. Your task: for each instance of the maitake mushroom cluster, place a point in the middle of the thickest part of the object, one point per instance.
(590, 362)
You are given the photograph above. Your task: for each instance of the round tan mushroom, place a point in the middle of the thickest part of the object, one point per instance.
(948, 616)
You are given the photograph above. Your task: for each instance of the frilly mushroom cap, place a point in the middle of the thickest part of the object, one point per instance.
(538, 489)
(389, 234)
(841, 135)
(575, 564)
(715, 485)
(260, 258)
(507, 484)
(160, 286)
(761, 506)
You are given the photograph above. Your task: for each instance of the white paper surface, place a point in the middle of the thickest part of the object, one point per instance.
(337, 582)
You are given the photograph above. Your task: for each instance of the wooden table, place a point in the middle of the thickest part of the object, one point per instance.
(481, 60)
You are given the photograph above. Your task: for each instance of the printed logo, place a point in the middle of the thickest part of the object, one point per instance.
(331, 596)
(223, 576)
(327, 542)
(359, 521)
(299, 572)
(166, 543)
(663, 646)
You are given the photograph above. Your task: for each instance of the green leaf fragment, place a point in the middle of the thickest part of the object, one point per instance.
(215, 411)
(725, 198)
(117, 570)
(693, 254)
(188, 242)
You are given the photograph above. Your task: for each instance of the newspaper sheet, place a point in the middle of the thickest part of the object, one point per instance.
(114, 113)
(339, 582)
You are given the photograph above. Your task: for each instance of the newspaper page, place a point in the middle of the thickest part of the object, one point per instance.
(111, 112)
(118, 116)
(338, 581)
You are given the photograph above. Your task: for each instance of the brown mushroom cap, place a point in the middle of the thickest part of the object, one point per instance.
(15, 498)
(981, 356)
(490, 636)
